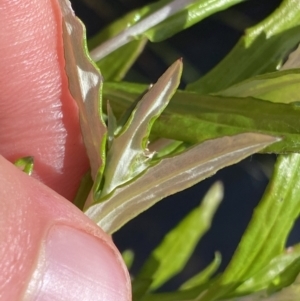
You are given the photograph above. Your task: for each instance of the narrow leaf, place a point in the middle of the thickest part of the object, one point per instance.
(115, 65)
(193, 13)
(290, 293)
(204, 275)
(128, 257)
(268, 230)
(172, 175)
(128, 156)
(271, 274)
(275, 37)
(156, 22)
(85, 85)
(170, 257)
(280, 87)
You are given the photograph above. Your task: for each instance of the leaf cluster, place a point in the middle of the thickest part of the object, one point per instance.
(148, 142)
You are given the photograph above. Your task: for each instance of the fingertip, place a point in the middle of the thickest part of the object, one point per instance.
(50, 250)
(77, 266)
(38, 115)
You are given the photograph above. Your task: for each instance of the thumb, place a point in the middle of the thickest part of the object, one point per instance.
(50, 250)
(38, 115)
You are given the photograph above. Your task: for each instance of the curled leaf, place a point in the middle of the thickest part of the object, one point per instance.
(85, 83)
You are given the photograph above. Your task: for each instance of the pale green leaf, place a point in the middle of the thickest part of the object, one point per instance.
(128, 257)
(280, 87)
(268, 230)
(274, 37)
(26, 164)
(158, 21)
(289, 293)
(170, 257)
(85, 83)
(189, 15)
(171, 175)
(203, 276)
(115, 65)
(128, 155)
(270, 276)
(165, 147)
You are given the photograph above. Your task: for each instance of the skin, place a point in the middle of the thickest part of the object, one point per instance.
(44, 239)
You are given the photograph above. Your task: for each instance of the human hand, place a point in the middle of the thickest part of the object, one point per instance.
(49, 249)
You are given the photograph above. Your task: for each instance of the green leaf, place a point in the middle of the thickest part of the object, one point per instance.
(128, 257)
(26, 164)
(115, 65)
(271, 275)
(170, 257)
(184, 295)
(194, 118)
(85, 84)
(128, 155)
(83, 191)
(203, 276)
(193, 13)
(171, 175)
(274, 37)
(268, 230)
(290, 293)
(280, 87)
(157, 21)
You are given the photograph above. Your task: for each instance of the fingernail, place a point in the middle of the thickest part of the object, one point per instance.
(75, 266)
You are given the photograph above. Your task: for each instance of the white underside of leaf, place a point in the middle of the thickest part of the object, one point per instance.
(172, 175)
(130, 33)
(85, 83)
